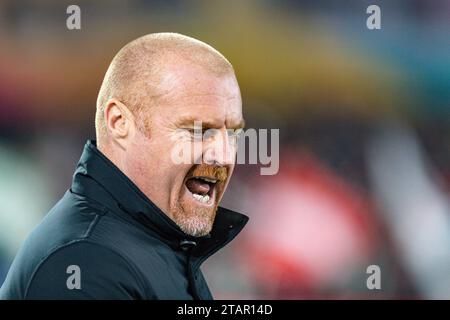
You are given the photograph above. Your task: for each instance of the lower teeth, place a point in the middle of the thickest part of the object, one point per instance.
(201, 198)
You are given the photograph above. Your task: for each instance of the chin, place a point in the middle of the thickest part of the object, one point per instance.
(195, 227)
(194, 221)
(198, 196)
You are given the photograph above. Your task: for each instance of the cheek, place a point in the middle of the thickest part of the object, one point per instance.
(159, 164)
(141, 158)
(155, 163)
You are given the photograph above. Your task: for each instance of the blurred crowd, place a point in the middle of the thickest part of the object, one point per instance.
(364, 119)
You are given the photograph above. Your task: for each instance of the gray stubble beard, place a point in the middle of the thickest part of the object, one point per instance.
(196, 222)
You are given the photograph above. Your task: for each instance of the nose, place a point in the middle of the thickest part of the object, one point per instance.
(218, 150)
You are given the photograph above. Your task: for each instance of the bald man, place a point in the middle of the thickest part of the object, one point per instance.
(142, 213)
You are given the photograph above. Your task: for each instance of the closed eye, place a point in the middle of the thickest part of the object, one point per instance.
(234, 133)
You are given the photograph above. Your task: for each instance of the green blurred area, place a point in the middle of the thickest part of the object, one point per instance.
(289, 61)
(309, 68)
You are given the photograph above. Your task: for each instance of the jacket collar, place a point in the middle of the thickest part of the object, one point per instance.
(97, 178)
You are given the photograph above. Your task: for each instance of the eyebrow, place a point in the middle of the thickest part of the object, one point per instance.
(207, 124)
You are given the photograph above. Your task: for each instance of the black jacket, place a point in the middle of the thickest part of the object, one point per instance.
(123, 246)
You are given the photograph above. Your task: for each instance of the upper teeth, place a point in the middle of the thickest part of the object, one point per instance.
(208, 180)
(201, 198)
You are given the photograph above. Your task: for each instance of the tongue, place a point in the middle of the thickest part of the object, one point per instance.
(197, 186)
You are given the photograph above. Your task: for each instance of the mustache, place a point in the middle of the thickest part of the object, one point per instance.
(211, 172)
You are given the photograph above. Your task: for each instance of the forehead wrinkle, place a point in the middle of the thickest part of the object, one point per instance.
(181, 78)
(183, 96)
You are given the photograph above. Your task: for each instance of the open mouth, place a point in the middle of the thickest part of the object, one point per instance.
(202, 188)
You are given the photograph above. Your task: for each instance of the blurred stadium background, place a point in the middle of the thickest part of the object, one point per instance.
(364, 119)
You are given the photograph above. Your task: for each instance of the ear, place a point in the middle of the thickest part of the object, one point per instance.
(119, 121)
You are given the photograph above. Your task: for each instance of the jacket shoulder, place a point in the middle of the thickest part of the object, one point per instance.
(73, 218)
(85, 270)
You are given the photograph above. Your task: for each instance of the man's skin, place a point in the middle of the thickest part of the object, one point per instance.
(141, 144)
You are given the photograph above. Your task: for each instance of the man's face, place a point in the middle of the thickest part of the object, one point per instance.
(183, 171)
